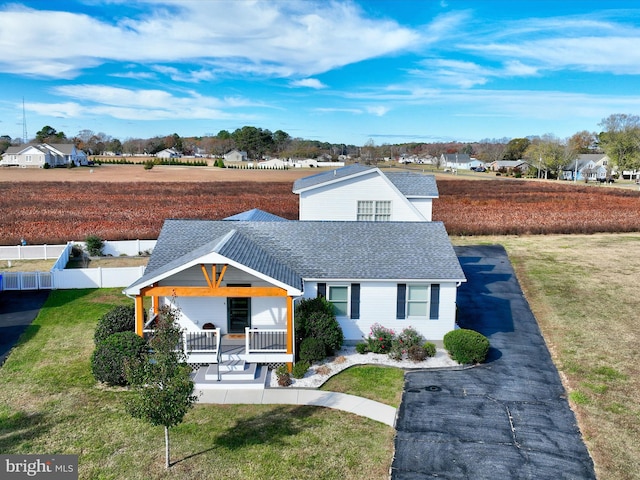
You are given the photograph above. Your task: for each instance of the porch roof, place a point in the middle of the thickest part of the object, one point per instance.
(295, 250)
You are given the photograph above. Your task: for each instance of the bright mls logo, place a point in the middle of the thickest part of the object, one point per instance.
(51, 467)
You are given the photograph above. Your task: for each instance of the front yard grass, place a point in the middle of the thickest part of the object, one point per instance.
(583, 290)
(375, 382)
(50, 403)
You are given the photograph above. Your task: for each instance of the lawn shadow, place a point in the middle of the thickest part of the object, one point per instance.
(20, 427)
(270, 427)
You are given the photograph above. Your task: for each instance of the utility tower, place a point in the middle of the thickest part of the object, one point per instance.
(24, 124)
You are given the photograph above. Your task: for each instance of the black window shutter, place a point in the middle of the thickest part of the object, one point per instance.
(355, 300)
(322, 290)
(401, 301)
(434, 310)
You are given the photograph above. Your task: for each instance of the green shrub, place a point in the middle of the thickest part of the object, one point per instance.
(416, 353)
(300, 368)
(410, 337)
(312, 350)
(283, 375)
(94, 245)
(118, 319)
(429, 349)
(466, 346)
(112, 354)
(362, 348)
(380, 339)
(315, 318)
(46, 166)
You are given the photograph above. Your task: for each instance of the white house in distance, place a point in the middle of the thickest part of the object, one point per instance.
(235, 156)
(36, 156)
(359, 192)
(238, 279)
(168, 153)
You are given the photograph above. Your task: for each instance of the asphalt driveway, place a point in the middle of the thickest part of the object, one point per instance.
(17, 311)
(506, 419)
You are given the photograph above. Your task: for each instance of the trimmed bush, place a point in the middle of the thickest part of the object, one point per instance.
(315, 319)
(362, 348)
(300, 368)
(118, 319)
(112, 354)
(466, 346)
(429, 349)
(312, 350)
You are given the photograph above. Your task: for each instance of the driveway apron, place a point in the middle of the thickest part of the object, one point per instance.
(506, 419)
(17, 311)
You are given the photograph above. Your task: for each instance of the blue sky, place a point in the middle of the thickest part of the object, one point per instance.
(391, 71)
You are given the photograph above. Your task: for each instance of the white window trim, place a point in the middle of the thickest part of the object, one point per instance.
(374, 210)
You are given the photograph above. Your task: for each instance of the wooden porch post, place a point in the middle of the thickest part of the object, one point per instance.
(155, 304)
(139, 314)
(290, 332)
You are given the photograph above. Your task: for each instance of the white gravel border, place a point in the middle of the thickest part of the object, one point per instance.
(312, 379)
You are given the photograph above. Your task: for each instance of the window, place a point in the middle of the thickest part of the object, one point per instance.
(417, 301)
(374, 210)
(339, 296)
(28, 158)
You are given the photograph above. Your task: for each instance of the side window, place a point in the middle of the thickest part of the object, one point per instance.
(417, 301)
(434, 309)
(339, 296)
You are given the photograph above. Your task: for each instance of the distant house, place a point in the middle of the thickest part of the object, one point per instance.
(168, 153)
(37, 155)
(457, 161)
(508, 166)
(358, 192)
(593, 166)
(235, 156)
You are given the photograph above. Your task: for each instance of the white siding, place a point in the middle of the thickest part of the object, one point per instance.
(424, 206)
(339, 201)
(378, 305)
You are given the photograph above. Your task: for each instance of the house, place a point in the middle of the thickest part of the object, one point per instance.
(363, 193)
(244, 277)
(168, 153)
(235, 156)
(53, 155)
(592, 166)
(508, 166)
(456, 161)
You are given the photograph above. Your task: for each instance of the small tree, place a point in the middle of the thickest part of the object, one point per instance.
(163, 386)
(94, 245)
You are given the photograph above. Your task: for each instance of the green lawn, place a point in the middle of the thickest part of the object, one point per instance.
(50, 403)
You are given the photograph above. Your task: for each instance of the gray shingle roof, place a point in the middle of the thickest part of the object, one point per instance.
(410, 184)
(291, 251)
(331, 175)
(256, 215)
(413, 184)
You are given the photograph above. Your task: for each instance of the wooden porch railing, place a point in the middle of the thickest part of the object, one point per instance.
(265, 341)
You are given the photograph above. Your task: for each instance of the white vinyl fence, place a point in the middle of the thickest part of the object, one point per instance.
(60, 278)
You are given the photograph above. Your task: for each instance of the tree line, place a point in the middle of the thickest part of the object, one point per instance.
(619, 139)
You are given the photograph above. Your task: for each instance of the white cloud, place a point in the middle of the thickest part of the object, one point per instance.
(134, 104)
(276, 38)
(309, 82)
(378, 110)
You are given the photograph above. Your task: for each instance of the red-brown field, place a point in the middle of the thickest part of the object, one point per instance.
(519, 207)
(44, 211)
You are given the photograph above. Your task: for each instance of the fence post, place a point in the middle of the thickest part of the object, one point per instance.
(45, 252)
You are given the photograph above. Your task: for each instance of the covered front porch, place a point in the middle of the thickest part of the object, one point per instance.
(227, 314)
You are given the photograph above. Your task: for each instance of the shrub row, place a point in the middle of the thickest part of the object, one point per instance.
(408, 343)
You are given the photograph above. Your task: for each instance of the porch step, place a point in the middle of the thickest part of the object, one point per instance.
(231, 370)
(230, 380)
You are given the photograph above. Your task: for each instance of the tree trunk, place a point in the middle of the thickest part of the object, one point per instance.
(166, 447)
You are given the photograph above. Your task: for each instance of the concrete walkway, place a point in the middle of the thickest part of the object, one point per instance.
(297, 396)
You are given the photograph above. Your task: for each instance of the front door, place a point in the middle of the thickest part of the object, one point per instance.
(238, 314)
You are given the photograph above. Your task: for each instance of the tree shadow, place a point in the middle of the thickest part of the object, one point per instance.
(269, 428)
(20, 427)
